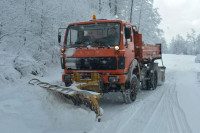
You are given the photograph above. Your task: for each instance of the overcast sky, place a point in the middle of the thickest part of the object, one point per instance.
(178, 16)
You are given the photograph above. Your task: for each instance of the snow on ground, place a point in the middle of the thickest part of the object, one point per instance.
(172, 107)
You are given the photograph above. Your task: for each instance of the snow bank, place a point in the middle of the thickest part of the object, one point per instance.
(8, 74)
(26, 65)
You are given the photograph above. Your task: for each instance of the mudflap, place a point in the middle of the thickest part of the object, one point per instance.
(78, 97)
(161, 75)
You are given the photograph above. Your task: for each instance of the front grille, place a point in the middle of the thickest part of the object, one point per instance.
(92, 63)
(121, 62)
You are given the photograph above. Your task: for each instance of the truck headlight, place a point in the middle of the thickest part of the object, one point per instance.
(116, 48)
(113, 78)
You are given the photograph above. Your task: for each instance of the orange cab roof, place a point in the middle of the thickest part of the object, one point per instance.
(100, 21)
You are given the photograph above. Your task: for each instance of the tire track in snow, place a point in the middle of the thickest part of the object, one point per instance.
(173, 116)
(153, 111)
(135, 116)
(140, 119)
(178, 112)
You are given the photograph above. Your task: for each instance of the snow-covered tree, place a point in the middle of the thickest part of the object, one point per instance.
(191, 40)
(29, 27)
(190, 45)
(144, 16)
(164, 45)
(198, 44)
(178, 45)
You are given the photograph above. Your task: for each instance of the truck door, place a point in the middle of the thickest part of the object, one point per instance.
(128, 45)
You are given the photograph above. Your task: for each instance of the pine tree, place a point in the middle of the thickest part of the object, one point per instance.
(178, 45)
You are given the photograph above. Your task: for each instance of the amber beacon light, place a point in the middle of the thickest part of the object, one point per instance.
(94, 17)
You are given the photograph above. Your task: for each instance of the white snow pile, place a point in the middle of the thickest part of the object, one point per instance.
(18, 61)
(17, 66)
(8, 73)
(26, 65)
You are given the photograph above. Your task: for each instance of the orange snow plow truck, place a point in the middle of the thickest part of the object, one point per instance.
(101, 56)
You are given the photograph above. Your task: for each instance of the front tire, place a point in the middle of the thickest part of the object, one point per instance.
(130, 93)
(68, 83)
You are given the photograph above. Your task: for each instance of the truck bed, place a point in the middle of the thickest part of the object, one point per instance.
(151, 51)
(146, 52)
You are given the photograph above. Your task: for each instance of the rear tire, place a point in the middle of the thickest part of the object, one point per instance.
(144, 81)
(153, 80)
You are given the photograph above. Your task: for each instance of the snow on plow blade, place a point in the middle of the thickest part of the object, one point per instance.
(78, 97)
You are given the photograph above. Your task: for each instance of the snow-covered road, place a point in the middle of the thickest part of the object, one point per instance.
(172, 107)
(154, 111)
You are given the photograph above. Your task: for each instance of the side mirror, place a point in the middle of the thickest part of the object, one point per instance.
(128, 33)
(59, 37)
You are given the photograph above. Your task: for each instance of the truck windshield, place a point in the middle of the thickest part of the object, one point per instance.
(97, 34)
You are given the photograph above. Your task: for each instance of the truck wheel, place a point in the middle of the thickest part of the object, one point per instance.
(144, 82)
(67, 84)
(144, 85)
(130, 93)
(153, 80)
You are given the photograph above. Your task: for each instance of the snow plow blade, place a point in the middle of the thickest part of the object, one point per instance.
(78, 96)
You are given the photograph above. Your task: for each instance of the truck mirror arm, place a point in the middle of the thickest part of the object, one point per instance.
(59, 34)
(59, 37)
